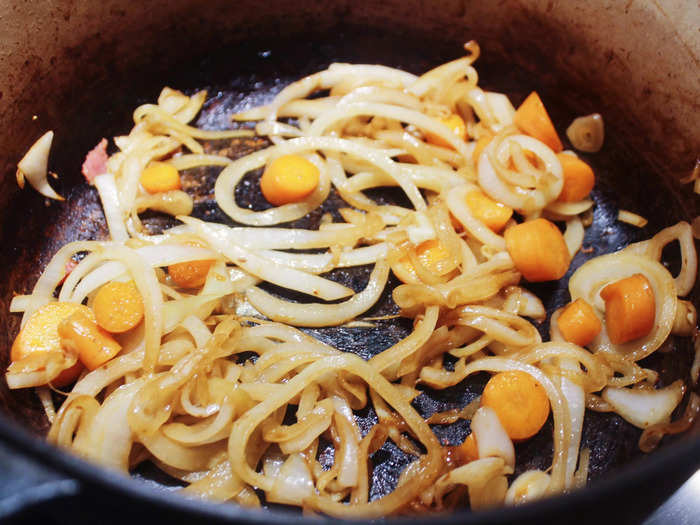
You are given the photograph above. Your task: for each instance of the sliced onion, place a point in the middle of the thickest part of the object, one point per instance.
(587, 133)
(528, 486)
(293, 483)
(491, 438)
(109, 195)
(268, 271)
(399, 113)
(628, 217)
(573, 235)
(316, 314)
(34, 166)
(643, 407)
(108, 438)
(518, 198)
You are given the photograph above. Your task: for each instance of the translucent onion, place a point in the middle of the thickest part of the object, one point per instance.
(34, 167)
(267, 270)
(318, 314)
(491, 438)
(645, 407)
(517, 197)
(587, 133)
(628, 217)
(528, 486)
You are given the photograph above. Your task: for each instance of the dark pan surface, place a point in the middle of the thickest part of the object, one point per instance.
(250, 75)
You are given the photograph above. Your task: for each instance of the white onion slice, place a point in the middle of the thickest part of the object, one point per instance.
(319, 262)
(267, 270)
(644, 408)
(576, 401)
(109, 195)
(108, 439)
(528, 486)
(399, 113)
(632, 218)
(502, 109)
(573, 235)
(518, 198)
(292, 483)
(34, 166)
(315, 314)
(587, 133)
(491, 438)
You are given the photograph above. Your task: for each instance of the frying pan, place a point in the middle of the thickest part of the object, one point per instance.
(81, 68)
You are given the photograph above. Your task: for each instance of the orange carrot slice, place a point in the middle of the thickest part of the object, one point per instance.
(118, 306)
(532, 118)
(456, 125)
(93, 345)
(519, 400)
(492, 213)
(630, 308)
(538, 250)
(578, 323)
(287, 179)
(578, 178)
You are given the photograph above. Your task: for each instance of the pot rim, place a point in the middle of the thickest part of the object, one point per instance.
(674, 457)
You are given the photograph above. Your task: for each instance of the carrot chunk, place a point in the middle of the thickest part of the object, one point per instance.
(190, 274)
(532, 118)
(40, 337)
(520, 402)
(40, 333)
(578, 323)
(578, 178)
(492, 213)
(287, 179)
(93, 345)
(630, 308)
(467, 451)
(159, 177)
(480, 147)
(456, 125)
(118, 306)
(538, 250)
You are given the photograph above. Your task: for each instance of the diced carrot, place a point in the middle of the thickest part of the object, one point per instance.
(578, 323)
(519, 400)
(432, 255)
(456, 125)
(630, 308)
(40, 333)
(93, 345)
(480, 147)
(538, 250)
(159, 177)
(492, 213)
(40, 336)
(190, 274)
(467, 451)
(118, 306)
(532, 118)
(578, 178)
(287, 179)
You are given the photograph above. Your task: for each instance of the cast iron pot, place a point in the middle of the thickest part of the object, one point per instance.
(80, 68)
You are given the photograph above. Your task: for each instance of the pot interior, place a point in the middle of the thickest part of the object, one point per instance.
(246, 69)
